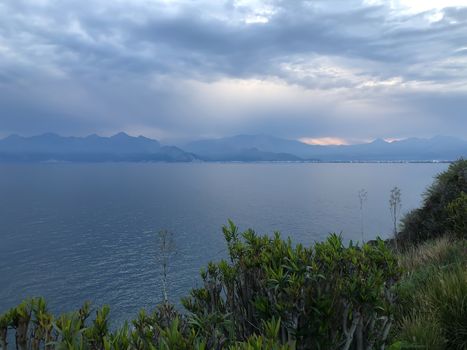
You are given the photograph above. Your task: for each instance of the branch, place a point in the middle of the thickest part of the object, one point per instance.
(350, 335)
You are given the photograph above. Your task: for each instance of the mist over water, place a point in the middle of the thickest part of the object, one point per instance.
(76, 232)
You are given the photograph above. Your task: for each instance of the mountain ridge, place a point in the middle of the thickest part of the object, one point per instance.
(412, 149)
(119, 147)
(243, 147)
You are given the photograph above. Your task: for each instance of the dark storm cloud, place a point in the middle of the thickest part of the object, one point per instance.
(78, 67)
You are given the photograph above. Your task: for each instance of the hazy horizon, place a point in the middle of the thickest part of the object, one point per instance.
(322, 142)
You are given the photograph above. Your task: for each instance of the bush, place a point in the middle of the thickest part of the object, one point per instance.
(327, 297)
(269, 295)
(444, 202)
(457, 220)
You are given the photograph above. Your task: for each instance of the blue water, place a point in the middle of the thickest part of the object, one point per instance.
(75, 232)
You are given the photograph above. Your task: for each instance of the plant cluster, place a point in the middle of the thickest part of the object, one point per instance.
(327, 297)
(269, 295)
(444, 208)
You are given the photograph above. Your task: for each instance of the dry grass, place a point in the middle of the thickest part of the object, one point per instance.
(437, 252)
(422, 332)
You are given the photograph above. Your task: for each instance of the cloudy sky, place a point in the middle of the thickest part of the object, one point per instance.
(324, 71)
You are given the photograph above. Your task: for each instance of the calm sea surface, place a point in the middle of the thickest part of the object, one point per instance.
(75, 232)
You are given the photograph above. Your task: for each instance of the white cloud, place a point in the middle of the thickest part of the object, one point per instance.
(417, 6)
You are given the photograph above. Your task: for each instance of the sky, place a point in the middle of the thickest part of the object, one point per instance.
(323, 71)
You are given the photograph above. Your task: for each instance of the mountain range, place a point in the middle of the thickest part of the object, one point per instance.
(93, 148)
(412, 149)
(123, 147)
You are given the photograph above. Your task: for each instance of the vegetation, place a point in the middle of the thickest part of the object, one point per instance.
(444, 208)
(271, 294)
(326, 297)
(432, 296)
(395, 207)
(166, 250)
(362, 198)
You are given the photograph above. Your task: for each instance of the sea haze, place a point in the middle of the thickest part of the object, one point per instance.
(75, 232)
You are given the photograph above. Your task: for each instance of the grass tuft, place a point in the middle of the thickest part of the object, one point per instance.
(433, 295)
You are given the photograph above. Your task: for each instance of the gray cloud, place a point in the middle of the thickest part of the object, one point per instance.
(184, 70)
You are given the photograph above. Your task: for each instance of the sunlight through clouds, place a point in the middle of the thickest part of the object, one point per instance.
(324, 141)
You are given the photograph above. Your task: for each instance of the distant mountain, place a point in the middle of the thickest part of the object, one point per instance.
(236, 144)
(93, 148)
(243, 148)
(249, 155)
(413, 149)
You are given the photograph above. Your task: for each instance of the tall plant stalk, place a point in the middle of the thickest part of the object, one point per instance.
(166, 249)
(362, 197)
(395, 206)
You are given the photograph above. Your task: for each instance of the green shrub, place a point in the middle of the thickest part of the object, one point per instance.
(457, 220)
(5, 322)
(327, 297)
(434, 218)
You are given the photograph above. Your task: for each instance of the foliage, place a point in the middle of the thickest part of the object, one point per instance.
(457, 219)
(432, 295)
(420, 332)
(269, 295)
(444, 208)
(447, 296)
(327, 296)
